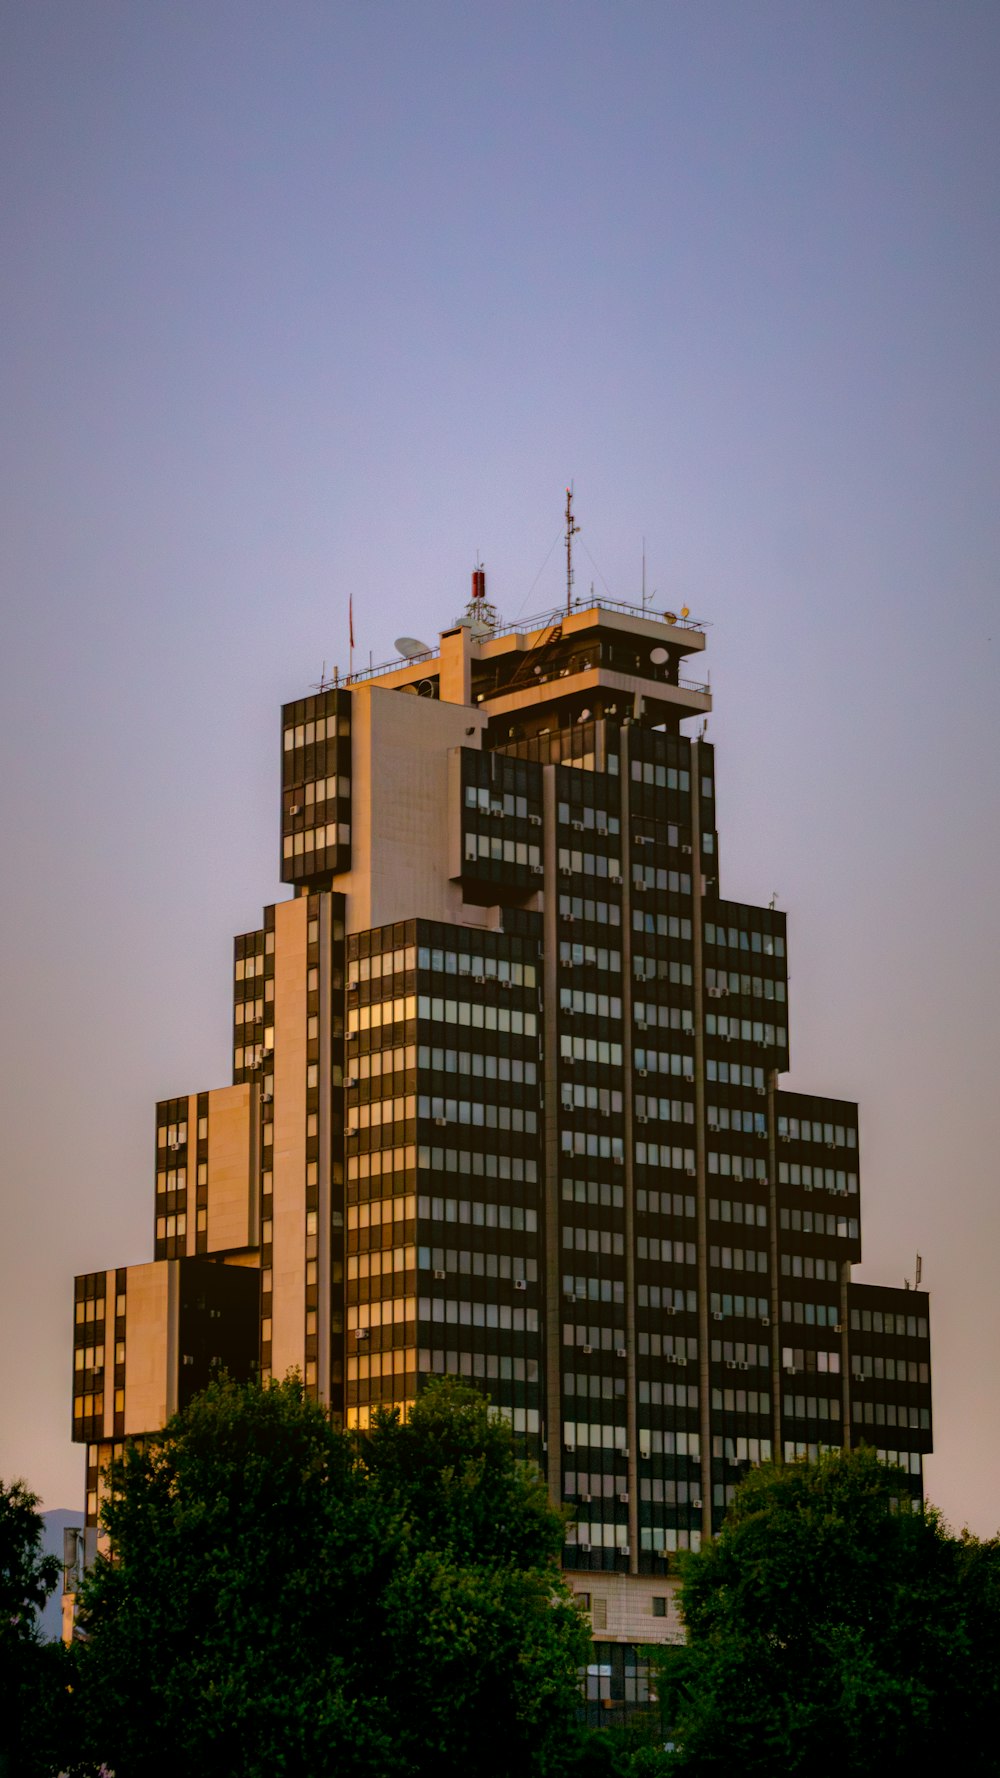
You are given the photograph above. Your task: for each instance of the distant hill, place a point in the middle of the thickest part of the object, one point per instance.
(55, 1523)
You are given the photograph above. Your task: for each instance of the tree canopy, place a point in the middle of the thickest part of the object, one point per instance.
(286, 1598)
(34, 1702)
(833, 1626)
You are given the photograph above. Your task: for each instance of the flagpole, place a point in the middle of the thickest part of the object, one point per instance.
(350, 621)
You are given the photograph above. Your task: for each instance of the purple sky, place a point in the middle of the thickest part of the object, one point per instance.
(319, 299)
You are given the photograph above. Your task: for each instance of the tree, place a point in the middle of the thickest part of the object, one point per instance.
(282, 1597)
(34, 1701)
(832, 1626)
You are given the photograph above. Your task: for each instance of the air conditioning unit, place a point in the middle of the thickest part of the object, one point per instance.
(686, 849)
(717, 1315)
(564, 870)
(762, 1091)
(623, 1550)
(619, 1351)
(266, 1098)
(618, 1160)
(602, 830)
(352, 987)
(690, 1079)
(741, 1365)
(639, 888)
(439, 1274)
(664, 1555)
(790, 1370)
(520, 1284)
(615, 879)
(173, 1147)
(577, 826)
(361, 1333)
(587, 1350)
(623, 1498)
(642, 1120)
(839, 1327)
(730, 1364)
(669, 1309)
(480, 980)
(536, 820)
(642, 1073)
(441, 1122)
(536, 870)
(696, 1504)
(584, 1499)
(714, 1128)
(569, 918)
(765, 1321)
(580, 1546)
(691, 1172)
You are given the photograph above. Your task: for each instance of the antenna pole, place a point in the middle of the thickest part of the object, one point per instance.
(644, 577)
(571, 530)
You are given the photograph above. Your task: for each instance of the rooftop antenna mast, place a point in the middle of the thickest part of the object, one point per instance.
(571, 529)
(644, 577)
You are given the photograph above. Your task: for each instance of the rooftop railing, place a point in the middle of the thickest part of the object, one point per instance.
(541, 620)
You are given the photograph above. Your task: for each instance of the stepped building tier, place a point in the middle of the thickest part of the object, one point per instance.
(506, 1104)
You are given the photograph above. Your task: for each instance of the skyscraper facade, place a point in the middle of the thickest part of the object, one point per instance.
(506, 1104)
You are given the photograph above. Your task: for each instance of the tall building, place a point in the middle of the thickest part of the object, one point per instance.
(506, 1104)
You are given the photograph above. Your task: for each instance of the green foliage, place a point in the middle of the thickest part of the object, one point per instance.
(283, 1598)
(34, 1674)
(832, 1627)
(633, 1751)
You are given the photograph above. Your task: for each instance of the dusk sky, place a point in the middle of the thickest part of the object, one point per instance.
(307, 301)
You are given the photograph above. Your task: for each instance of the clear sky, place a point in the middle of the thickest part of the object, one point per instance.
(312, 300)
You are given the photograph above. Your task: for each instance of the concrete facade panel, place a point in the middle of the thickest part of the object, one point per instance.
(229, 1184)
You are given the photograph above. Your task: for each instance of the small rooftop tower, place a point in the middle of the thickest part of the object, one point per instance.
(480, 616)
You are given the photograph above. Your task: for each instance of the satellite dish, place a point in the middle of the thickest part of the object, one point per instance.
(410, 646)
(476, 627)
(670, 617)
(685, 611)
(659, 656)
